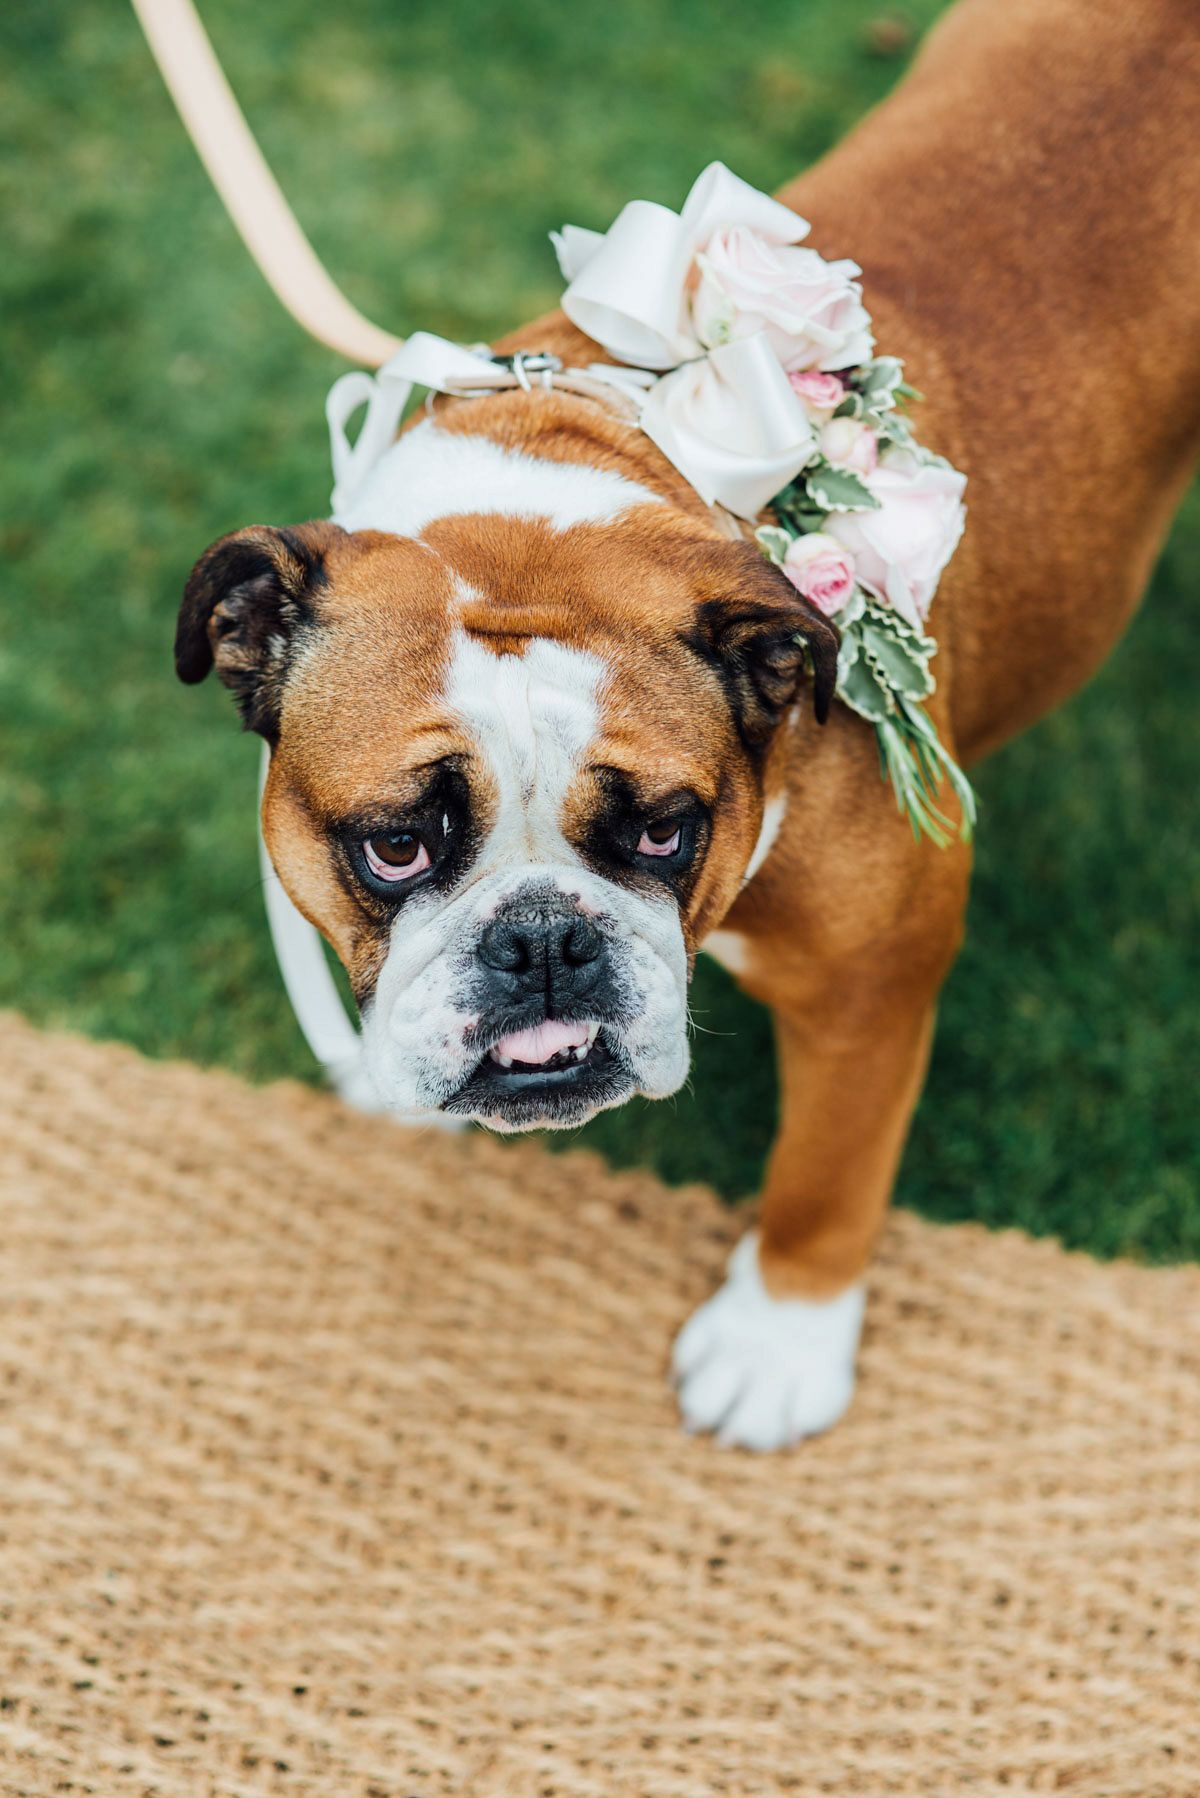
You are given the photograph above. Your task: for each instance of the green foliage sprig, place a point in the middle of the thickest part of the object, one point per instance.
(884, 669)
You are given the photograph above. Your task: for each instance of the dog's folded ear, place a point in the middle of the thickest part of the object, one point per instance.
(245, 601)
(763, 635)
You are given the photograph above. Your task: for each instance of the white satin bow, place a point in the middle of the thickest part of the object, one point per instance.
(628, 285)
(727, 418)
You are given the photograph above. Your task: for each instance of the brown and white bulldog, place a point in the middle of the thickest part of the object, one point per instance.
(540, 730)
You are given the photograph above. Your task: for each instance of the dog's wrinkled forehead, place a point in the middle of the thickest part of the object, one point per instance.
(501, 640)
(531, 643)
(531, 717)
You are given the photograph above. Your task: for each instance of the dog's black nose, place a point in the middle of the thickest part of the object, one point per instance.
(550, 950)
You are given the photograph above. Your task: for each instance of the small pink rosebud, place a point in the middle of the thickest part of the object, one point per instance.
(820, 393)
(822, 569)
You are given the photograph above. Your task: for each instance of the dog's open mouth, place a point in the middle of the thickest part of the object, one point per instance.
(546, 1049)
(553, 1073)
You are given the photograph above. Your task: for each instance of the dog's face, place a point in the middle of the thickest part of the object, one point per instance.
(516, 767)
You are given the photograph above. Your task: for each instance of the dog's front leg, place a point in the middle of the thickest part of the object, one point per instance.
(770, 1358)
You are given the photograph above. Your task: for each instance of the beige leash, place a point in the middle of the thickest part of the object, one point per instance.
(250, 192)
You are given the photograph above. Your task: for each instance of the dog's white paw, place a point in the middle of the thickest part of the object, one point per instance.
(764, 1372)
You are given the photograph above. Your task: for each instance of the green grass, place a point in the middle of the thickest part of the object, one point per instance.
(156, 396)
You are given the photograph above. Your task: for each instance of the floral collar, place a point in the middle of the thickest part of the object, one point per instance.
(749, 360)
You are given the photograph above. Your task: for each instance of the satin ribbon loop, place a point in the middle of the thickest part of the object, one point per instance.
(426, 360)
(629, 288)
(727, 418)
(629, 294)
(732, 424)
(718, 197)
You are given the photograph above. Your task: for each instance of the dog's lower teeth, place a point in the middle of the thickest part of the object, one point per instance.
(562, 1058)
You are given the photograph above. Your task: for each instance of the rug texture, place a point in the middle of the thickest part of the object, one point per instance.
(337, 1459)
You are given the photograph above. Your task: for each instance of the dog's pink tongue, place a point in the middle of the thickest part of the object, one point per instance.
(543, 1041)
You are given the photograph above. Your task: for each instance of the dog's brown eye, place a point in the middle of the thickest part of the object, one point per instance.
(396, 856)
(660, 839)
(397, 851)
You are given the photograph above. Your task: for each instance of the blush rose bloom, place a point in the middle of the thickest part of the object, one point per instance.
(900, 550)
(848, 444)
(820, 394)
(810, 309)
(821, 569)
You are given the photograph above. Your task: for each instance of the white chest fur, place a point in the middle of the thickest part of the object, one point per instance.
(429, 473)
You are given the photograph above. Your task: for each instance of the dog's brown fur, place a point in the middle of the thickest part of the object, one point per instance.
(1026, 209)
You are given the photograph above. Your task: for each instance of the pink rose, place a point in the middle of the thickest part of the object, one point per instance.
(820, 394)
(848, 444)
(900, 550)
(810, 309)
(820, 568)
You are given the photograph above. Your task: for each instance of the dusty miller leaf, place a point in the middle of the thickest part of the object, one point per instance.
(880, 382)
(899, 663)
(797, 511)
(774, 542)
(840, 490)
(895, 428)
(863, 691)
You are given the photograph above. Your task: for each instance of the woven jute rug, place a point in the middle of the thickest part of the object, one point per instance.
(337, 1459)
